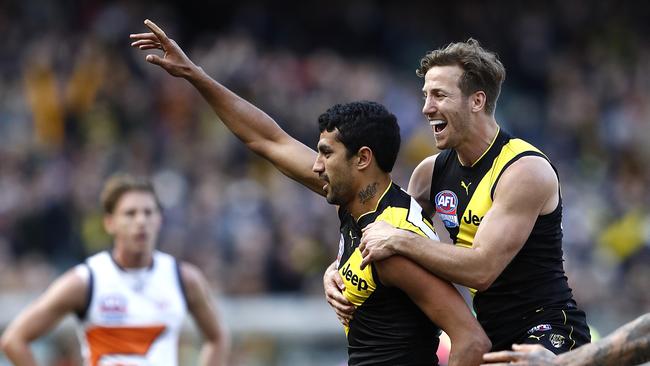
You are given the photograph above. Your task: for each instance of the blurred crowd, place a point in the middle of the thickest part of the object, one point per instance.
(78, 104)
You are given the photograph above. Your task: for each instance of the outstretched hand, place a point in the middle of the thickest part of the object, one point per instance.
(521, 354)
(376, 242)
(174, 60)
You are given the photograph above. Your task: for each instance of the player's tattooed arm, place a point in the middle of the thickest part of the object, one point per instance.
(629, 345)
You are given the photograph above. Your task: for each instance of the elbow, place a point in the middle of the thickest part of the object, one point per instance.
(482, 285)
(478, 344)
(482, 344)
(484, 280)
(470, 350)
(8, 344)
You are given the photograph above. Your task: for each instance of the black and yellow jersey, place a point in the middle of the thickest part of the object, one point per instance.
(387, 328)
(535, 278)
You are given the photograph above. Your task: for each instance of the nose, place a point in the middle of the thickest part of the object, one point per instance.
(141, 218)
(318, 166)
(429, 106)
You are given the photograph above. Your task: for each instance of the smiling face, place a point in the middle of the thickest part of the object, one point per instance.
(445, 106)
(135, 222)
(335, 168)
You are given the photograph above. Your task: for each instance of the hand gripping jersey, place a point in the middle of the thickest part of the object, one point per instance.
(387, 327)
(534, 280)
(134, 316)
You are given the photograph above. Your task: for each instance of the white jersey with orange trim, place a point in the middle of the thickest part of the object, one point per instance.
(134, 316)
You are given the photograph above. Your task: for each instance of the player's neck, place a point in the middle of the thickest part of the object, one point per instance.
(478, 142)
(370, 192)
(126, 259)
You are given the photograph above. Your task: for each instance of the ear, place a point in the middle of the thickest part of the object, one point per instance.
(108, 224)
(477, 101)
(364, 157)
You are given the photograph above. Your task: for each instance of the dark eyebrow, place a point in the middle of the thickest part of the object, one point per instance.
(323, 148)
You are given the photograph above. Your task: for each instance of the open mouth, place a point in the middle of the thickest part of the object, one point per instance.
(438, 125)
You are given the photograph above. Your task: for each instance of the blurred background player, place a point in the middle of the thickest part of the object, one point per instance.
(358, 146)
(131, 300)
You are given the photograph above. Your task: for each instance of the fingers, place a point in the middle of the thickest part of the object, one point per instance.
(340, 303)
(145, 44)
(367, 258)
(367, 227)
(139, 36)
(500, 356)
(528, 347)
(155, 59)
(338, 281)
(150, 47)
(156, 30)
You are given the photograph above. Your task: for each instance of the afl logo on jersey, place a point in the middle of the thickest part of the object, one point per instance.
(446, 204)
(112, 307)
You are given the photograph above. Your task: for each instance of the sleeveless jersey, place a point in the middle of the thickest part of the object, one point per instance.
(133, 317)
(535, 277)
(387, 327)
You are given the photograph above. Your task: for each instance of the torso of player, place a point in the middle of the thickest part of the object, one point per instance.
(387, 328)
(134, 317)
(462, 195)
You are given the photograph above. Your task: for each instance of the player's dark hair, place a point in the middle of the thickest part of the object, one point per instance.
(118, 185)
(482, 69)
(361, 124)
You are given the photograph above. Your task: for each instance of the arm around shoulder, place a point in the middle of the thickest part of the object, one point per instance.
(216, 342)
(66, 295)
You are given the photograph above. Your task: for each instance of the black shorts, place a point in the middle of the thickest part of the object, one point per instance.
(557, 330)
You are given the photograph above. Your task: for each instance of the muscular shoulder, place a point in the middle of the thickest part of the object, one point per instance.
(530, 178)
(69, 292)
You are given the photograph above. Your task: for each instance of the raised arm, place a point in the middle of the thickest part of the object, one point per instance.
(527, 188)
(216, 343)
(66, 295)
(442, 303)
(255, 128)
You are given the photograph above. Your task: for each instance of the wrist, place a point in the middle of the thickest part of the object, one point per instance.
(193, 73)
(399, 241)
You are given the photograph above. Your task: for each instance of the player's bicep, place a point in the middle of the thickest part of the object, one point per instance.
(199, 302)
(518, 201)
(67, 294)
(295, 160)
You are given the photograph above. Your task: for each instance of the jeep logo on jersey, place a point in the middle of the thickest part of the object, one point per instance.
(355, 280)
(446, 205)
(472, 218)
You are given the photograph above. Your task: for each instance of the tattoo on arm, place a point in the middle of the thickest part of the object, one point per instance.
(369, 192)
(629, 345)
